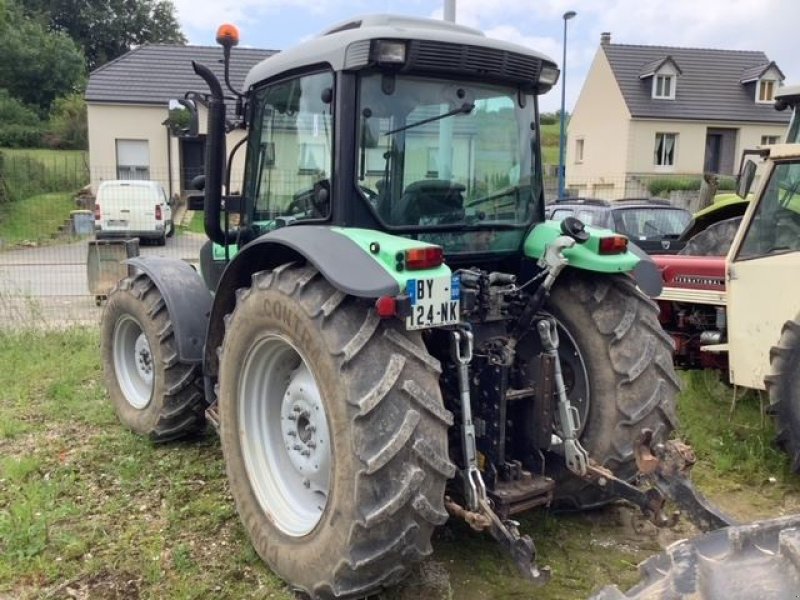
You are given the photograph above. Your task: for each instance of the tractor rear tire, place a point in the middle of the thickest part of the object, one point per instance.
(334, 435)
(632, 383)
(153, 393)
(783, 385)
(714, 240)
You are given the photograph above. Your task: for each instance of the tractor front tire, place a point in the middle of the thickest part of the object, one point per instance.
(334, 435)
(783, 385)
(153, 393)
(627, 361)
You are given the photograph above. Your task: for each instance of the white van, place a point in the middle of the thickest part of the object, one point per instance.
(133, 208)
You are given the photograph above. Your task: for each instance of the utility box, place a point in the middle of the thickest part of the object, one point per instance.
(82, 222)
(105, 264)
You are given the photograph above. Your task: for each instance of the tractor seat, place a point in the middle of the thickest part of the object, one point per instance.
(439, 200)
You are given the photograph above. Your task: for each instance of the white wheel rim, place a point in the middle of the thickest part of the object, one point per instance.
(283, 431)
(133, 362)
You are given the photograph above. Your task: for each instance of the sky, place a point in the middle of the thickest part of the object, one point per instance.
(766, 25)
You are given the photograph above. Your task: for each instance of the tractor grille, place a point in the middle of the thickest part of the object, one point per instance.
(434, 56)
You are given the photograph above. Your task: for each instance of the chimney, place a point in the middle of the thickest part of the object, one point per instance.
(605, 38)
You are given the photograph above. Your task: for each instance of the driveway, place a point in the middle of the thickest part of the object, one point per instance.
(49, 283)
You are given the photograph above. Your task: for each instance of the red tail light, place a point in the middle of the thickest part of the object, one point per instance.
(616, 244)
(386, 306)
(97, 214)
(424, 258)
(158, 212)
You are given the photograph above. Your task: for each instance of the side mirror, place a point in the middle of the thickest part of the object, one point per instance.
(182, 118)
(745, 179)
(199, 182)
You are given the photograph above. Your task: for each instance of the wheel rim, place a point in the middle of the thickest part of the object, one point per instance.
(133, 362)
(284, 435)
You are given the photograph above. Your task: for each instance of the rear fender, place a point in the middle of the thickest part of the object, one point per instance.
(355, 261)
(587, 257)
(187, 299)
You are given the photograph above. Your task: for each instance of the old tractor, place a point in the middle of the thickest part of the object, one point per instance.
(740, 313)
(386, 332)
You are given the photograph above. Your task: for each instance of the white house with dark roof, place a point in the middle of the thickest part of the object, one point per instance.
(645, 111)
(128, 102)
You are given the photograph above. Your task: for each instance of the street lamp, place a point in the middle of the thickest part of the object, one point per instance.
(561, 141)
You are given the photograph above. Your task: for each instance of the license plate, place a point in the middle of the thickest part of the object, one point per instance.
(435, 301)
(117, 223)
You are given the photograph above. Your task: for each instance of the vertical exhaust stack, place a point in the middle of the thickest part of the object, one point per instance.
(227, 36)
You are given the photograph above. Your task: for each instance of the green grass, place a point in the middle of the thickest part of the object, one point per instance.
(195, 225)
(87, 506)
(36, 218)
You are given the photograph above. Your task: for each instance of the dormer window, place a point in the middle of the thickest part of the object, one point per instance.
(664, 87)
(766, 90)
(765, 80)
(663, 74)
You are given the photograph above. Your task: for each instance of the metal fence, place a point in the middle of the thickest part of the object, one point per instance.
(47, 224)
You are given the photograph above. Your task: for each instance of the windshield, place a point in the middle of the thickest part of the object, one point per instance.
(446, 154)
(652, 223)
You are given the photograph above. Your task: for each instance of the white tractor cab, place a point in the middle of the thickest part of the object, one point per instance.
(133, 208)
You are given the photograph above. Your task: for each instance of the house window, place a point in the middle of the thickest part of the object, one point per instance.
(768, 140)
(665, 149)
(579, 150)
(766, 90)
(664, 87)
(312, 158)
(133, 159)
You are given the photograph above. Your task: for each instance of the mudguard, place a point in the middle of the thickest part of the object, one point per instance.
(358, 262)
(187, 298)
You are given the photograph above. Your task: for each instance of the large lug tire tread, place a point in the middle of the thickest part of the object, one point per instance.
(759, 560)
(177, 408)
(783, 385)
(632, 380)
(715, 240)
(389, 456)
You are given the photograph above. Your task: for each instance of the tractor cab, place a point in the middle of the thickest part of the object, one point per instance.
(421, 128)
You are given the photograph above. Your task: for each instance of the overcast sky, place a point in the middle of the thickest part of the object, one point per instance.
(767, 25)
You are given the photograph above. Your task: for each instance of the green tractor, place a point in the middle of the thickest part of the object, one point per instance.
(391, 334)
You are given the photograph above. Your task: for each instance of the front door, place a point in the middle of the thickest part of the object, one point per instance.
(720, 151)
(763, 287)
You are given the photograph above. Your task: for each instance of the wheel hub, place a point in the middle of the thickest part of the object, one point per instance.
(144, 359)
(305, 434)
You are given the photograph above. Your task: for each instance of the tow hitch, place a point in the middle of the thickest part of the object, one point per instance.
(665, 467)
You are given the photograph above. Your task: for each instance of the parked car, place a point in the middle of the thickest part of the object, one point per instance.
(652, 224)
(133, 208)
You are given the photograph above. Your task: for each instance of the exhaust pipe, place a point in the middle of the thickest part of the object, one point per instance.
(215, 159)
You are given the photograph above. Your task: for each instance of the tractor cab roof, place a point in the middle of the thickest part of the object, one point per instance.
(441, 47)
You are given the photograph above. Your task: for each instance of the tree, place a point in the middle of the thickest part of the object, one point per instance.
(36, 65)
(107, 29)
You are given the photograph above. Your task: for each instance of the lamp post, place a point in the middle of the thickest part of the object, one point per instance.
(561, 141)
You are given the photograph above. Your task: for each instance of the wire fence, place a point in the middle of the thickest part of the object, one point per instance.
(49, 275)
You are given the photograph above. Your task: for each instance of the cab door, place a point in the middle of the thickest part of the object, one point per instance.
(762, 275)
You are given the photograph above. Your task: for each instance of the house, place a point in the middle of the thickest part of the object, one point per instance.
(653, 111)
(128, 105)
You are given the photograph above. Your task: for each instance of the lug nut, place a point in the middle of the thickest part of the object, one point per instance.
(297, 447)
(291, 433)
(306, 452)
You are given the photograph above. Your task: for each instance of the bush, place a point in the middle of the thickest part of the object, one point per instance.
(20, 126)
(662, 186)
(68, 127)
(726, 184)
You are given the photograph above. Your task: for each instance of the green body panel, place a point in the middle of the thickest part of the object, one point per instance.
(389, 245)
(218, 251)
(581, 256)
(722, 201)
